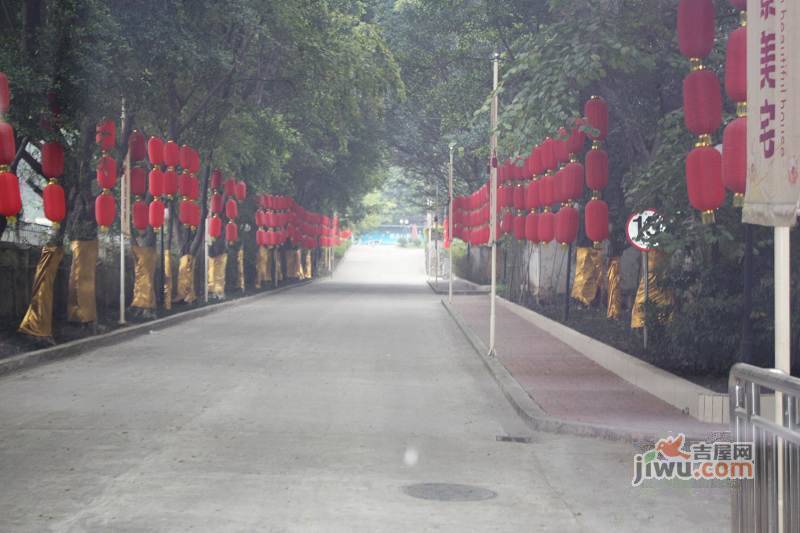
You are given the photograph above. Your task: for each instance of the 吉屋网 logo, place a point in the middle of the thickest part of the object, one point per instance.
(668, 460)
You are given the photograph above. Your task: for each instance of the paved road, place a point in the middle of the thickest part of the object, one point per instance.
(310, 410)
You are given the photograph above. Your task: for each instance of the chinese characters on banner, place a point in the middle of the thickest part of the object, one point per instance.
(773, 119)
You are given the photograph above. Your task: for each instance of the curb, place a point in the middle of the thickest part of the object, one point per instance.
(674, 390)
(73, 348)
(477, 290)
(532, 413)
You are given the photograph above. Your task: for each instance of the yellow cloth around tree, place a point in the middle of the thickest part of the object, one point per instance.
(262, 267)
(38, 321)
(216, 275)
(655, 293)
(294, 264)
(185, 291)
(240, 268)
(275, 264)
(614, 289)
(308, 271)
(167, 279)
(588, 274)
(144, 296)
(81, 304)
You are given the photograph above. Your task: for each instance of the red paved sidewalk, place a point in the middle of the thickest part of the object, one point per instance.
(568, 385)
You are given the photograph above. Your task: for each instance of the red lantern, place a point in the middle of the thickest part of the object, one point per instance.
(261, 237)
(596, 169)
(156, 182)
(137, 147)
(55, 205)
(172, 154)
(214, 227)
(519, 197)
(5, 94)
(105, 210)
(734, 159)
(566, 225)
(216, 180)
(695, 28)
(184, 185)
(532, 227)
(230, 186)
(546, 229)
(52, 159)
(106, 172)
(138, 181)
(704, 181)
(185, 156)
(216, 203)
(702, 102)
(571, 182)
(155, 151)
(241, 191)
(532, 198)
(548, 154)
(156, 214)
(105, 135)
(8, 144)
(170, 183)
(736, 66)
(596, 111)
(185, 212)
(547, 191)
(10, 199)
(140, 215)
(596, 221)
(231, 209)
(231, 232)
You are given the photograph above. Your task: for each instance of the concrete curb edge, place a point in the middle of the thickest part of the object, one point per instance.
(26, 360)
(532, 413)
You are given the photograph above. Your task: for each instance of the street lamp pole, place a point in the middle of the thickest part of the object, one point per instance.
(493, 201)
(450, 226)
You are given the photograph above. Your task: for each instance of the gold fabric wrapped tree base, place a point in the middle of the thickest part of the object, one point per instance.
(308, 271)
(185, 291)
(81, 304)
(216, 275)
(144, 295)
(655, 293)
(38, 321)
(294, 265)
(588, 275)
(262, 267)
(614, 289)
(240, 269)
(167, 280)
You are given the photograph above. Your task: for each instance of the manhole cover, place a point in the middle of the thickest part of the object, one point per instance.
(449, 492)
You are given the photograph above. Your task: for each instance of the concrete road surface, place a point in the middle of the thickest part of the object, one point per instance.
(318, 409)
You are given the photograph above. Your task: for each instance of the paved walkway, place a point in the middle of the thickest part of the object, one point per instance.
(569, 385)
(313, 410)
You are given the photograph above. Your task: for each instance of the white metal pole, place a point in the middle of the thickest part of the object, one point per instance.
(783, 332)
(646, 286)
(124, 217)
(205, 262)
(450, 227)
(493, 202)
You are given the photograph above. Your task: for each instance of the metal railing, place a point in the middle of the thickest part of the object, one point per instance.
(770, 502)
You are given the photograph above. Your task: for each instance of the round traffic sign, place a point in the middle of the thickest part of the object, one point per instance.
(641, 228)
